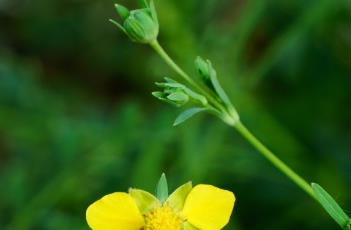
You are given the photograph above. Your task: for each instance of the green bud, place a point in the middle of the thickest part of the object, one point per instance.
(205, 70)
(177, 94)
(141, 25)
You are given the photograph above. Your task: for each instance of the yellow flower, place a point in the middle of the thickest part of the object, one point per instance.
(203, 207)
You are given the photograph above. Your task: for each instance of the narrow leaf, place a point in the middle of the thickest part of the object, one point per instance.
(330, 205)
(186, 115)
(162, 189)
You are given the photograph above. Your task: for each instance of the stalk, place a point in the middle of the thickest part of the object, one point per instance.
(261, 148)
(163, 54)
(272, 158)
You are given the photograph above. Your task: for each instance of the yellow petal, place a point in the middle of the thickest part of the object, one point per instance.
(208, 207)
(114, 211)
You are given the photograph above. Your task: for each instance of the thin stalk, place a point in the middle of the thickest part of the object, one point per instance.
(269, 155)
(163, 54)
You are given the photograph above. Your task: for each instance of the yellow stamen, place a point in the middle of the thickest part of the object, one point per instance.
(163, 218)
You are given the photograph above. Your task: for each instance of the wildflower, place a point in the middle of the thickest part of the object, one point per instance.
(202, 207)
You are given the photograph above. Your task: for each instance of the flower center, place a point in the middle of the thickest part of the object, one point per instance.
(163, 218)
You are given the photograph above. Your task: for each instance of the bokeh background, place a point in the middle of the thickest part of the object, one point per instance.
(77, 120)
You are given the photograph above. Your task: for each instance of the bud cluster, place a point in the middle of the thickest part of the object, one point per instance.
(177, 93)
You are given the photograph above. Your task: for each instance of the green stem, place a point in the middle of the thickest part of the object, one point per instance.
(238, 125)
(274, 159)
(158, 48)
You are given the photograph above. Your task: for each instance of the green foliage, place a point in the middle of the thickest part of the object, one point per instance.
(186, 115)
(330, 205)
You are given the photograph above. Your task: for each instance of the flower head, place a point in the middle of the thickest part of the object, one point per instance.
(141, 25)
(202, 207)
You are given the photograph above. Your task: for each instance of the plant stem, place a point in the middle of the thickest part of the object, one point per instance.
(269, 155)
(238, 125)
(158, 48)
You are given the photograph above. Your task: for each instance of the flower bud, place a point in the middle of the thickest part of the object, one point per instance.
(141, 25)
(177, 94)
(205, 70)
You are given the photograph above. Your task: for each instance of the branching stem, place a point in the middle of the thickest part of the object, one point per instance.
(262, 149)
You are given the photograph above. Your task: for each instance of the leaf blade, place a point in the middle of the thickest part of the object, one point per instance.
(331, 206)
(187, 114)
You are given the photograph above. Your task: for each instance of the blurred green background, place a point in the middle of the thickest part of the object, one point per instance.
(77, 119)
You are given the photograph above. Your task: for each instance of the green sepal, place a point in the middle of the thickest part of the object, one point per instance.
(331, 206)
(122, 11)
(188, 226)
(177, 199)
(140, 25)
(171, 86)
(153, 11)
(118, 25)
(178, 97)
(187, 114)
(163, 97)
(143, 3)
(162, 189)
(144, 200)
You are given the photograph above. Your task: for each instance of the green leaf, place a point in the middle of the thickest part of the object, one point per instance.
(162, 189)
(330, 205)
(186, 115)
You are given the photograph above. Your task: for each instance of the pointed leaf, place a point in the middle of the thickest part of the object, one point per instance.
(330, 205)
(162, 189)
(186, 115)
